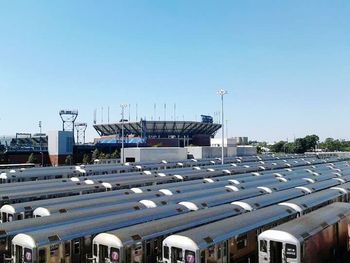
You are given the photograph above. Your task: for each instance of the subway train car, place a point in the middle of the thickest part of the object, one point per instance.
(140, 243)
(72, 242)
(321, 236)
(235, 239)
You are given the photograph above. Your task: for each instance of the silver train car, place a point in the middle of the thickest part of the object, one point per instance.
(23, 210)
(235, 239)
(140, 243)
(72, 242)
(321, 236)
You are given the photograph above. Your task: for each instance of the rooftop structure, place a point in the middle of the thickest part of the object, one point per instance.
(159, 129)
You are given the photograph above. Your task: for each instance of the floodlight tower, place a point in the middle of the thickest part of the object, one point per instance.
(221, 93)
(68, 118)
(81, 129)
(122, 106)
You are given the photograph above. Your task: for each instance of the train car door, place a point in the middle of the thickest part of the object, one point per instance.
(76, 250)
(149, 252)
(348, 236)
(102, 253)
(276, 252)
(19, 254)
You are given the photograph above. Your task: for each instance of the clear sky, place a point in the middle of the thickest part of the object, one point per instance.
(285, 64)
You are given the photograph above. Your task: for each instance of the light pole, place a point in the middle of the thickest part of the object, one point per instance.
(41, 148)
(123, 106)
(222, 93)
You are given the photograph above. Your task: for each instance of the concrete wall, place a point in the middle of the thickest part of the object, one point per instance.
(216, 142)
(213, 152)
(155, 154)
(246, 150)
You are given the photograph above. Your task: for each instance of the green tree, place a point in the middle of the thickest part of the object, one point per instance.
(332, 145)
(32, 158)
(310, 142)
(115, 154)
(68, 160)
(278, 147)
(86, 158)
(95, 154)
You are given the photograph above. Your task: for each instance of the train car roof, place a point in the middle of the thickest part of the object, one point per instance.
(222, 230)
(69, 231)
(313, 199)
(269, 199)
(165, 226)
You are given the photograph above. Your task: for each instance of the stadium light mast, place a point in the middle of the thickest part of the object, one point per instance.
(222, 93)
(41, 146)
(123, 106)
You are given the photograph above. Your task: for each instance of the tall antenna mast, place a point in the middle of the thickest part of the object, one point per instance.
(129, 112)
(95, 112)
(137, 117)
(164, 111)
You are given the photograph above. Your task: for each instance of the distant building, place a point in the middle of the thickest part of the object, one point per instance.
(217, 142)
(161, 133)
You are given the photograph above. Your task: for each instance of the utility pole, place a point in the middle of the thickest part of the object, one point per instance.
(221, 93)
(123, 106)
(41, 146)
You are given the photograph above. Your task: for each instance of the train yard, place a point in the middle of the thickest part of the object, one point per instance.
(172, 212)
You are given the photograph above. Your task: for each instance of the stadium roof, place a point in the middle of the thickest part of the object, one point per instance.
(162, 129)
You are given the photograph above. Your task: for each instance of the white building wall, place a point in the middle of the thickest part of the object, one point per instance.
(201, 152)
(155, 154)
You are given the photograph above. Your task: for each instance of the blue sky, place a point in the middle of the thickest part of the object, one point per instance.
(284, 63)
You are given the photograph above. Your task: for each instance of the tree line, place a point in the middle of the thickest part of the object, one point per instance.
(310, 143)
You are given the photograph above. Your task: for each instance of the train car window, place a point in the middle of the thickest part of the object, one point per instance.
(224, 248)
(76, 247)
(67, 249)
(114, 255)
(95, 250)
(203, 256)
(42, 256)
(263, 246)
(189, 256)
(128, 255)
(148, 248)
(211, 251)
(166, 252)
(242, 242)
(54, 250)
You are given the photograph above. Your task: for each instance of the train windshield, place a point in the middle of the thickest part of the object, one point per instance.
(263, 246)
(176, 254)
(102, 253)
(166, 252)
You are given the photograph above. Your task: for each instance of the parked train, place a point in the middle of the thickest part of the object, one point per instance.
(71, 241)
(235, 239)
(321, 236)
